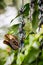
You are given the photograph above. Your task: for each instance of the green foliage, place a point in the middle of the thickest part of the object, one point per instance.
(15, 57)
(13, 29)
(25, 12)
(3, 56)
(2, 4)
(30, 52)
(35, 15)
(28, 27)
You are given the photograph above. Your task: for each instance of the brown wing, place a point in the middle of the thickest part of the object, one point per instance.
(12, 41)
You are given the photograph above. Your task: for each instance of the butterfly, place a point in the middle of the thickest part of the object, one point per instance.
(11, 41)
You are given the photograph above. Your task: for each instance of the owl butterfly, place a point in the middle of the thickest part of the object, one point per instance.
(12, 41)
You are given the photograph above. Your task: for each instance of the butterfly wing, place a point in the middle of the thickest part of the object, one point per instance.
(12, 41)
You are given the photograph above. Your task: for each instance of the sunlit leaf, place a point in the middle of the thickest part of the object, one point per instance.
(14, 29)
(28, 27)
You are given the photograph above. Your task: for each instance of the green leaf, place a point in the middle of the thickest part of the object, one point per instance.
(15, 17)
(24, 13)
(3, 56)
(13, 29)
(28, 27)
(40, 63)
(2, 4)
(35, 15)
(26, 10)
(35, 20)
(30, 53)
(31, 56)
(20, 58)
(15, 57)
(26, 40)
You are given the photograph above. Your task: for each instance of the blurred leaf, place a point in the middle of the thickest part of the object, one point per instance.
(26, 52)
(28, 27)
(32, 55)
(40, 63)
(35, 20)
(15, 17)
(13, 29)
(24, 13)
(3, 56)
(2, 4)
(26, 40)
(26, 10)
(20, 58)
(15, 57)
